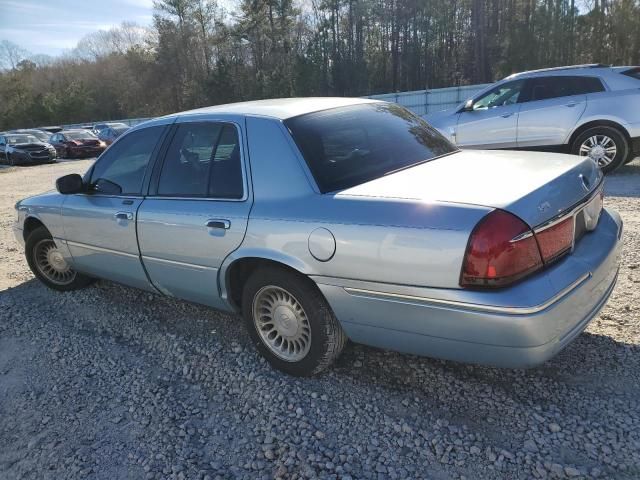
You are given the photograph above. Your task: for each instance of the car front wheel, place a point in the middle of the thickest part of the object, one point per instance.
(606, 145)
(48, 264)
(290, 322)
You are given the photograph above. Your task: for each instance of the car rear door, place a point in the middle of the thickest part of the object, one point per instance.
(551, 108)
(100, 225)
(493, 119)
(197, 209)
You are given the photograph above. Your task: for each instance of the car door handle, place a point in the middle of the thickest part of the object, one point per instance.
(571, 104)
(123, 216)
(218, 223)
(506, 115)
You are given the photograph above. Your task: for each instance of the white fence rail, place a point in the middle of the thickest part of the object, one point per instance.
(421, 102)
(425, 102)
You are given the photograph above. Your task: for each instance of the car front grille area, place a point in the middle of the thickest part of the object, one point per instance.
(40, 154)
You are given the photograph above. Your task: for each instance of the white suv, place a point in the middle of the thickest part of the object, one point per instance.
(589, 110)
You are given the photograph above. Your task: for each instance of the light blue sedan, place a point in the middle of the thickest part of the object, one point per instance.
(327, 219)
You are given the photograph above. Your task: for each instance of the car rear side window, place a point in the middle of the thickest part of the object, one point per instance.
(125, 162)
(347, 146)
(203, 160)
(584, 85)
(545, 88)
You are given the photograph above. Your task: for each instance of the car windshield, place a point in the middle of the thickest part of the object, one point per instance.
(42, 136)
(80, 135)
(15, 139)
(347, 146)
(119, 130)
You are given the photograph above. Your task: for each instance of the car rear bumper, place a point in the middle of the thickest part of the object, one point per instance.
(520, 326)
(86, 151)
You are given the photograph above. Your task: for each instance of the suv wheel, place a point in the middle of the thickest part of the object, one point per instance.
(606, 145)
(48, 264)
(290, 322)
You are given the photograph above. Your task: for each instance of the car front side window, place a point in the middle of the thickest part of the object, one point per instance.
(505, 94)
(123, 166)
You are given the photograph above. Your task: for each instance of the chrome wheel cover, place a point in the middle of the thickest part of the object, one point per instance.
(281, 323)
(51, 263)
(600, 148)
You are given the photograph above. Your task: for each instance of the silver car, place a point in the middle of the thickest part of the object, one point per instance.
(588, 110)
(322, 220)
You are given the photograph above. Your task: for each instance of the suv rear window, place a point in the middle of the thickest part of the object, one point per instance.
(347, 146)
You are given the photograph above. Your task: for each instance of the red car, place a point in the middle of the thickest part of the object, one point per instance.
(77, 144)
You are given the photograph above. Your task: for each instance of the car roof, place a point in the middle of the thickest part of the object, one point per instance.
(281, 108)
(579, 70)
(74, 130)
(16, 134)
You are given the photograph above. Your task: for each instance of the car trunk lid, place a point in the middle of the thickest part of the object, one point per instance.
(535, 186)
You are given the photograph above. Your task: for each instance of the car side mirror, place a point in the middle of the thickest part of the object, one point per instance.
(70, 184)
(468, 107)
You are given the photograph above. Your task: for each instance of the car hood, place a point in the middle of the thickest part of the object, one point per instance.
(29, 146)
(535, 186)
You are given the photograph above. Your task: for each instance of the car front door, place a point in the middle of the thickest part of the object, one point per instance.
(550, 110)
(197, 210)
(100, 225)
(3, 147)
(492, 120)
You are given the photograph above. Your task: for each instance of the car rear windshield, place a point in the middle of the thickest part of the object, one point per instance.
(347, 146)
(634, 73)
(80, 135)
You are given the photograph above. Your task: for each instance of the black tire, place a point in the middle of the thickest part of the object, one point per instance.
(619, 139)
(10, 160)
(327, 337)
(37, 237)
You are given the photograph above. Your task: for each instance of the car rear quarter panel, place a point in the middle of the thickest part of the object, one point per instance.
(622, 107)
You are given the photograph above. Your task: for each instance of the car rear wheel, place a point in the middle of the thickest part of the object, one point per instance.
(606, 145)
(48, 264)
(290, 322)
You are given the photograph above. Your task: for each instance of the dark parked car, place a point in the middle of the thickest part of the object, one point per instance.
(20, 148)
(41, 135)
(77, 144)
(108, 135)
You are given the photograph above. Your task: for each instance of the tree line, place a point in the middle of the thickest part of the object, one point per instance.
(196, 53)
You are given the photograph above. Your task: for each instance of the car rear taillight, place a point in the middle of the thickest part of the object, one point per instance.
(501, 250)
(556, 240)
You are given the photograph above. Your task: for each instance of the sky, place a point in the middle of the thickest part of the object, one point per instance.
(52, 26)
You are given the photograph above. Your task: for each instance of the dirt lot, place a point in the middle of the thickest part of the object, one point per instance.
(111, 382)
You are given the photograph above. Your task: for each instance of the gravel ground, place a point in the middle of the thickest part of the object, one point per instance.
(111, 382)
